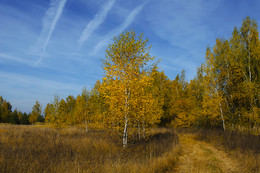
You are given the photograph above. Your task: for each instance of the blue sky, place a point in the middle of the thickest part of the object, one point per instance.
(54, 47)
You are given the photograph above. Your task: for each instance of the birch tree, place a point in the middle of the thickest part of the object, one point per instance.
(127, 71)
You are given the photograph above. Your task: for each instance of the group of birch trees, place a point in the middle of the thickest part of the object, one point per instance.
(232, 77)
(127, 86)
(72, 111)
(226, 91)
(135, 95)
(124, 101)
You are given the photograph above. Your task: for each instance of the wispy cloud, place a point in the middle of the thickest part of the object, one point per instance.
(8, 58)
(50, 20)
(94, 24)
(130, 18)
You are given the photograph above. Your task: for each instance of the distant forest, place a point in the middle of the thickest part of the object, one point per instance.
(134, 95)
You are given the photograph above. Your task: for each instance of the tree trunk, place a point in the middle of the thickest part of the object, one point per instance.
(143, 129)
(127, 94)
(125, 133)
(86, 123)
(249, 61)
(221, 110)
(222, 117)
(139, 131)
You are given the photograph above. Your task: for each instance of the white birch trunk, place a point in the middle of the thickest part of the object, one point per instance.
(127, 94)
(86, 124)
(249, 68)
(249, 60)
(222, 117)
(221, 111)
(125, 134)
(139, 131)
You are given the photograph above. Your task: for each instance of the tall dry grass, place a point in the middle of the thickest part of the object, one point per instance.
(242, 146)
(44, 149)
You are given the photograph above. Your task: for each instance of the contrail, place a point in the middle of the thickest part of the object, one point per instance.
(50, 20)
(8, 57)
(94, 23)
(121, 28)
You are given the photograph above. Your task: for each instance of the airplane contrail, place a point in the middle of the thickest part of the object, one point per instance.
(94, 23)
(50, 20)
(130, 18)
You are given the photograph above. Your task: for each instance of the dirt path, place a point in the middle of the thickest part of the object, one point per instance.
(199, 156)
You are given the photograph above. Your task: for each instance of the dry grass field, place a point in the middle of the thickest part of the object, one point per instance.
(244, 147)
(44, 149)
(215, 150)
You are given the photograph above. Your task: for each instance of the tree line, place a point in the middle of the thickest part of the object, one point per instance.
(135, 95)
(17, 117)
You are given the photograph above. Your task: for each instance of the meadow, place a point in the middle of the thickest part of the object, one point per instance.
(41, 148)
(44, 149)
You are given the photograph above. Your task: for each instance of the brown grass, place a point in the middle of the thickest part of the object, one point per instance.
(202, 157)
(243, 147)
(44, 149)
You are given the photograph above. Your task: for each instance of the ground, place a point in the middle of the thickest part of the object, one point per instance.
(199, 156)
(41, 148)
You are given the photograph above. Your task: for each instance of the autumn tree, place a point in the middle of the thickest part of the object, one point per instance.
(48, 113)
(134, 95)
(96, 105)
(36, 112)
(232, 78)
(182, 102)
(127, 71)
(5, 111)
(54, 113)
(1, 108)
(196, 88)
(161, 90)
(70, 106)
(250, 64)
(214, 86)
(82, 109)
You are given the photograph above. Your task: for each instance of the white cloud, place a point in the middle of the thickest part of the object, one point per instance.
(50, 20)
(94, 24)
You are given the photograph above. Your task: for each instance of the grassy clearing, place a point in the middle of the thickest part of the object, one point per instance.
(44, 149)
